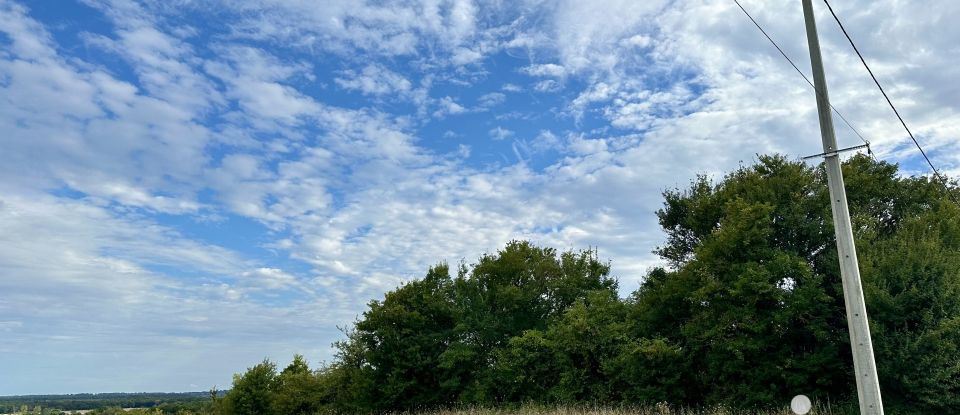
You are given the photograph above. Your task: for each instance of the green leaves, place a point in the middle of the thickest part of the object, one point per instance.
(912, 282)
(253, 392)
(440, 341)
(404, 336)
(262, 391)
(756, 296)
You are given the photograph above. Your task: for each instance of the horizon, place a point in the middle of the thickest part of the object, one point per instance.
(105, 393)
(188, 189)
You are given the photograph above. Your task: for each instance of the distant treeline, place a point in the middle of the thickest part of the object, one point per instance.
(749, 313)
(172, 402)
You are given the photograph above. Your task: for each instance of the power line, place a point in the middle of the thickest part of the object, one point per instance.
(784, 54)
(936, 172)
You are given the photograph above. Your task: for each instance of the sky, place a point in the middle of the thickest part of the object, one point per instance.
(189, 187)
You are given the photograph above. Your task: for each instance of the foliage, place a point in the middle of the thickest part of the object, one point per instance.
(912, 281)
(404, 337)
(756, 313)
(169, 403)
(522, 287)
(262, 391)
(755, 298)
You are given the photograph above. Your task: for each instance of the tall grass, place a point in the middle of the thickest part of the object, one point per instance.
(659, 409)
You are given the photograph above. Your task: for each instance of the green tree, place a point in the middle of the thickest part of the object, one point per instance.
(435, 341)
(912, 280)
(253, 391)
(521, 287)
(527, 369)
(347, 385)
(587, 338)
(649, 371)
(571, 360)
(755, 320)
(297, 389)
(753, 302)
(404, 336)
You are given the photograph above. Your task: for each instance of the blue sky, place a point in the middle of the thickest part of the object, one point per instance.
(188, 187)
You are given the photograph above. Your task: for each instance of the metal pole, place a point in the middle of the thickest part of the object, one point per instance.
(865, 368)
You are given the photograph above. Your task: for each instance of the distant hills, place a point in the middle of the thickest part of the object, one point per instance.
(77, 401)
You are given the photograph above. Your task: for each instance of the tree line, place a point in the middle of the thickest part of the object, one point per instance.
(167, 402)
(748, 313)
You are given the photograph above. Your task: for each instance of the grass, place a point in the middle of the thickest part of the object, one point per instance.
(659, 409)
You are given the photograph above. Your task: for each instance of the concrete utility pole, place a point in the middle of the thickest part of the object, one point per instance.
(868, 387)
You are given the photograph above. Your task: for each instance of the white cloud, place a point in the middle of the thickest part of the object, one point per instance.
(548, 70)
(587, 34)
(448, 106)
(374, 80)
(254, 80)
(546, 86)
(85, 125)
(271, 278)
(464, 56)
(546, 140)
(346, 26)
(29, 38)
(638, 41)
(491, 99)
(164, 64)
(102, 271)
(500, 133)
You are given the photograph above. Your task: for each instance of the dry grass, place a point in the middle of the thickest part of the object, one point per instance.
(660, 409)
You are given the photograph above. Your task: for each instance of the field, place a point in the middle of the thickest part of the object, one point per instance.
(661, 409)
(166, 402)
(654, 410)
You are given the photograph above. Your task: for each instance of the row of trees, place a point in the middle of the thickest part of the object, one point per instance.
(166, 402)
(748, 314)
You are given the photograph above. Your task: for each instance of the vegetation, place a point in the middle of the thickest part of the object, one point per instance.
(658, 409)
(749, 314)
(169, 403)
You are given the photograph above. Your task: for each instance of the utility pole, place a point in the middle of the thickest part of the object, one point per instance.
(868, 387)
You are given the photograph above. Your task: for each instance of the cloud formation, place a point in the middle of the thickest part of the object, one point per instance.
(210, 183)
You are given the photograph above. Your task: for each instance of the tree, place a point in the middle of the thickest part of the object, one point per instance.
(754, 301)
(522, 287)
(912, 280)
(571, 360)
(435, 341)
(527, 369)
(404, 336)
(748, 304)
(347, 385)
(252, 392)
(587, 338)
(296, 389)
